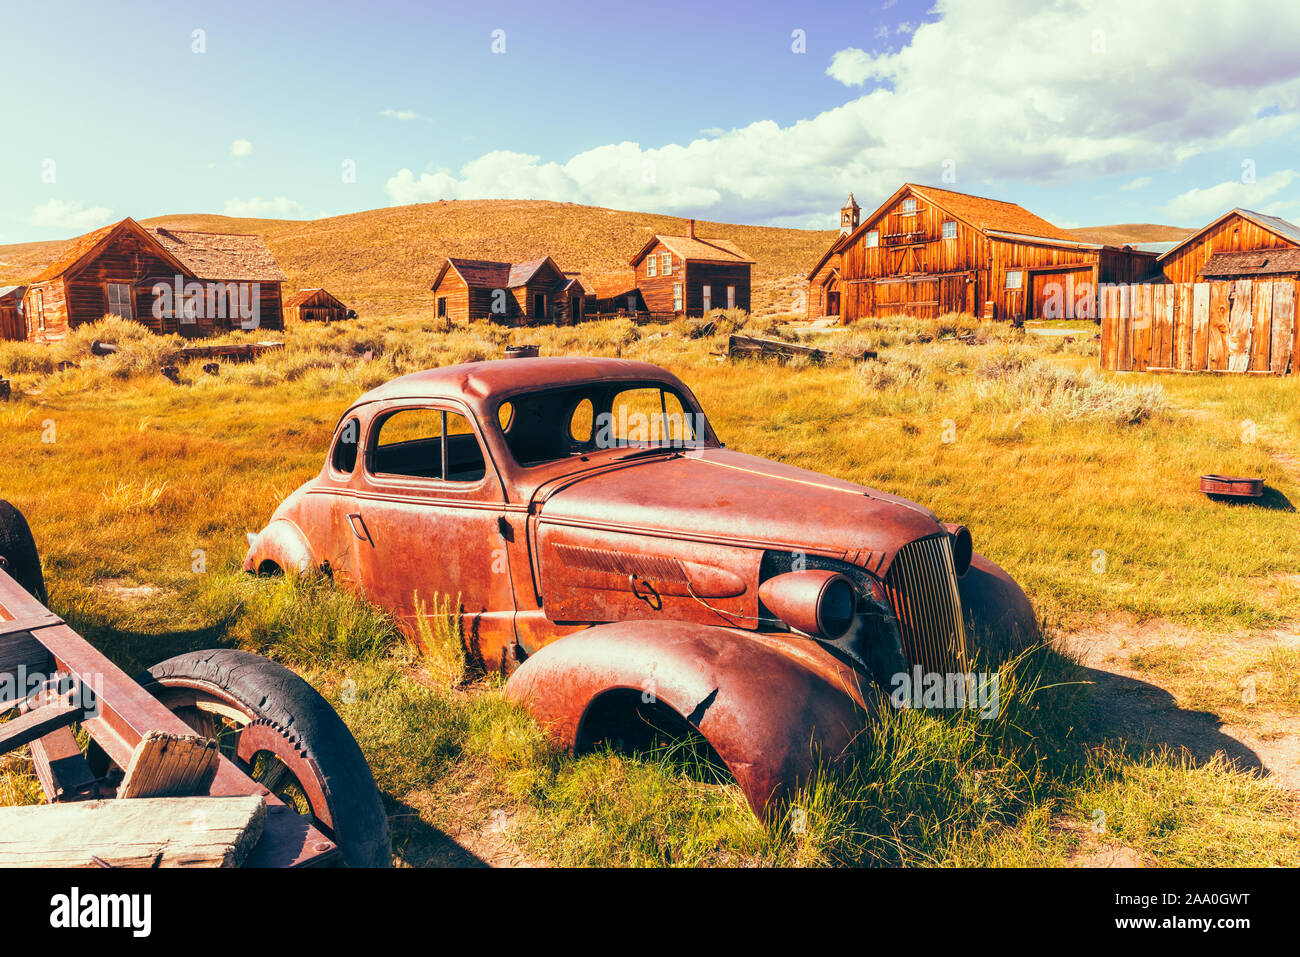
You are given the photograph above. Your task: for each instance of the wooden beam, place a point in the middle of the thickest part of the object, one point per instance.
(166, 765)
(37, 723)
(150, 832)
(60, 766)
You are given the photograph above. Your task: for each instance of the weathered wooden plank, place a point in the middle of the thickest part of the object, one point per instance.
(1240, 326)
(1284, 319)
(1220, 314)
(1140, 309)
(1107, 321)
(1124, 362)
(37, 723)
(1261, 337)
(60, 766)
(164, 765)
(1200, 326)
(1183, 320)
(149, 832)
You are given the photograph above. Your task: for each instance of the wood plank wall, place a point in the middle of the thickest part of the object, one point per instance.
(1241, 326)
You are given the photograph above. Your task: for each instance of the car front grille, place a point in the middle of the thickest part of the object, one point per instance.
(922, 587)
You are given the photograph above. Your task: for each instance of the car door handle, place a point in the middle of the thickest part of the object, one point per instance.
(355, 519)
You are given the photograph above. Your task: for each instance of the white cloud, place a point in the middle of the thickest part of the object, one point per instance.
(279, 207)
(1200, 206)
(402, 115)
(72, 216)
(851, 66)
(241, 148)
(1140, 183)
(1101, 99)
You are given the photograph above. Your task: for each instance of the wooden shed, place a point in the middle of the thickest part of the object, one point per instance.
(315, 305)
(13, 326)
(1230, 244)
(925, 252)
(690, 275)
(527, 293)
(182, 281)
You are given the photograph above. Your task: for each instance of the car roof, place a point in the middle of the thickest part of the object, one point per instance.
(484, 380)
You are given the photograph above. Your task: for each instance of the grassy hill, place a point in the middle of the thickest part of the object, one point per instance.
(384, 260)
(1122, 233)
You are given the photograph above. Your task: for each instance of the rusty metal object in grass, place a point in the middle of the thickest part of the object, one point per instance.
(220, 723)
(632, 575)
(212, 368)
(756, 347)
(522, 352)
(172, 373)
(1232, 487)
(99, 348)
(5, 390)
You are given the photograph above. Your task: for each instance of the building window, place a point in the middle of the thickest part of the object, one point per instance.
(950, 229)
(677, 297)
(666, 260)
(119, 300)
(652, 265)
(708, 298)
(908, 208)
(731, 297)
(873, 239)
(442, 307)
(1015, 279)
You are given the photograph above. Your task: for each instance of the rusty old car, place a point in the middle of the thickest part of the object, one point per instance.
(628, 571)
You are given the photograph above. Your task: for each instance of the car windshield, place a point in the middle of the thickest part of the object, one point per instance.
(554, 424)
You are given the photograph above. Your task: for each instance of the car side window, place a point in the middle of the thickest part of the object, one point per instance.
(429, 444)
(344, 457)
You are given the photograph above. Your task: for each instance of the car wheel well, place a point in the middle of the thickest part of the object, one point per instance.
(267, 568)
(624, 721)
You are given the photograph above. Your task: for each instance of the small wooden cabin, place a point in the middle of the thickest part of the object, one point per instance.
(191, 283)
(690, 275)
(518, 294)
(926, 252)
(1231, 248)
(315, 305)
(13, 326)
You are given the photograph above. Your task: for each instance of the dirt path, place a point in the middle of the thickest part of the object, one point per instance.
(1131, 702)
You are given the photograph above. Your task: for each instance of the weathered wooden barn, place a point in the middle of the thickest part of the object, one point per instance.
(315, 305)
(13, 326)
(927, 251)
(691, 275)
(528, 293)
(192, 283)
(1239, 244)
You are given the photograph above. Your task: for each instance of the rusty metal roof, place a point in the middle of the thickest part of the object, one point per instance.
(222, 256)
(499, 376)
(1259, 262)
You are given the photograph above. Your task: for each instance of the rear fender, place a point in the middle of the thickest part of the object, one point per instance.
(283, 545)
(770, 705)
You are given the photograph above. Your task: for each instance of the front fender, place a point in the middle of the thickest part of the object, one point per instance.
(283, 544)
(1000, 621)
(770, 705)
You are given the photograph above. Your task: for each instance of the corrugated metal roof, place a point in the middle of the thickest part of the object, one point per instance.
(1157, 248)
(1284, 228)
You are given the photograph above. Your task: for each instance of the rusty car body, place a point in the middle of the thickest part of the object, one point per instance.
(618, 562)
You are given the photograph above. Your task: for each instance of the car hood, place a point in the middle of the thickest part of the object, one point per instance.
(722, 496)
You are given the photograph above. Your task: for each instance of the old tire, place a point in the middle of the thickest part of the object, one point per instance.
(18, 555)
(270, 694)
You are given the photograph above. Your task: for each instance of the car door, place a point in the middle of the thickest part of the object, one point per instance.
(428, 521)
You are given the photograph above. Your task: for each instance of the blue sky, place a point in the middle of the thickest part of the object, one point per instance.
(1085, 112)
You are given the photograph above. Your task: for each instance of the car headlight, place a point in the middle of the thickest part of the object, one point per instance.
(818, 603)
